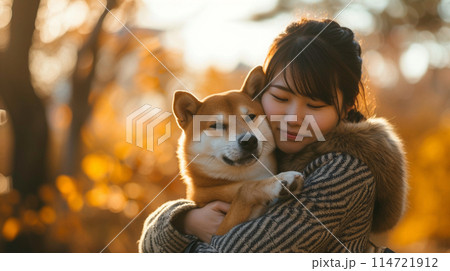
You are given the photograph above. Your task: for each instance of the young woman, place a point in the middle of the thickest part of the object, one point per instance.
(354, 180)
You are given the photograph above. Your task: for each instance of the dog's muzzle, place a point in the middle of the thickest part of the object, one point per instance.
(241, 161)
(249, 150)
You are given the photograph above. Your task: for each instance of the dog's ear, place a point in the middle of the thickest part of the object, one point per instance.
(184, 106)
(254, 82)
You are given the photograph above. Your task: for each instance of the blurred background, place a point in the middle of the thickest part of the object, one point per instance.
(70, 74)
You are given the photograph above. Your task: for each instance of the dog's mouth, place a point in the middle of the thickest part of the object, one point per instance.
(245, 160)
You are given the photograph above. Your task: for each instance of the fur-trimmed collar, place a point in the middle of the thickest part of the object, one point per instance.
(374, 142)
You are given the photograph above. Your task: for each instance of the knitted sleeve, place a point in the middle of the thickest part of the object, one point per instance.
(332, 214)
(159, 233)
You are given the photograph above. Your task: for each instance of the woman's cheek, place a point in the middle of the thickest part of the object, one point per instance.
(326, 121)
(265, 102)
(269, 106)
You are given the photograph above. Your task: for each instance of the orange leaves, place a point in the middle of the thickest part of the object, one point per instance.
(100, 167)
(427, 217)
(47, 215)
(116, 199)
(66, 185)
(133, 190)
(11, 228)
(96, 166)
(98, 196)
(432, 149)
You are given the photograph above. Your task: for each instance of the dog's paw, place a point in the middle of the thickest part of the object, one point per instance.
(291, 180)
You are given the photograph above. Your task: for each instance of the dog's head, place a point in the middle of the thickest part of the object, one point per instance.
(228, 130)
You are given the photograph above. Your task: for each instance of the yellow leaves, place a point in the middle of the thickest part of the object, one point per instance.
(75, 202)
(96, 166)
(432, 149)
(65, 184)
(148, 82)
(133, 190)
(120, 173)
(30, 220)
(98, 196)
(11, 228)
(47, 215)
(131, 209)
(46, 193)
(30, 217)
(427, 216)
(100, 167)
(113, 197)
(68, 189)
(116, 200)
(122, 150)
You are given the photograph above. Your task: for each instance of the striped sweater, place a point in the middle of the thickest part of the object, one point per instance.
(338, 197)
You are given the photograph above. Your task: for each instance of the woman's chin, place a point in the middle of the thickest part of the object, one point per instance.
(291, 146)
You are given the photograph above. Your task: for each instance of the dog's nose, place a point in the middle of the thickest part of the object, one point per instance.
(249, 144)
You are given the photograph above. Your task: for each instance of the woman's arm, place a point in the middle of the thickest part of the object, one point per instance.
(179, 222)
(339, 192)
(160, 234)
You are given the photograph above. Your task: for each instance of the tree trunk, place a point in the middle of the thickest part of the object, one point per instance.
(27, 114)
(82, 81)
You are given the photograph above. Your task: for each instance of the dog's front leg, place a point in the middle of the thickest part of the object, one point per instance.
(252, 198)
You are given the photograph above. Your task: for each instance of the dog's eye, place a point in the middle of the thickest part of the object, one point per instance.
(252, 116)
(217, 126)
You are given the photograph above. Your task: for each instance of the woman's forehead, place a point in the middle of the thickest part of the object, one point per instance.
(285, 82)
(279, 81)
(281, 76)
(284, 79)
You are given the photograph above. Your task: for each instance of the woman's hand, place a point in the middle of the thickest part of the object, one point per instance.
(204, 222)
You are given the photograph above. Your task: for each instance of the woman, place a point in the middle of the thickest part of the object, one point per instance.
(354, 180)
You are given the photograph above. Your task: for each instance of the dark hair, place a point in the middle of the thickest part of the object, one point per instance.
(321, 57)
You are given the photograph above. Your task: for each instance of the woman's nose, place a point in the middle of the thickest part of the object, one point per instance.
(295, 109)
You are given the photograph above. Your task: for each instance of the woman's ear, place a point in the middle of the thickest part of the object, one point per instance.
(185, 105)
(254, 83)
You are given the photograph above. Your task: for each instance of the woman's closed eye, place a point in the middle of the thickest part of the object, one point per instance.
(278, 98)
(316, 106)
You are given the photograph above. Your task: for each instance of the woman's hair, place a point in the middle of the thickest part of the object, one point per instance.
(320, 57)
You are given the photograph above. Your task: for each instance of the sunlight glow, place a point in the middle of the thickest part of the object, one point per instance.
(444, 10)
(75, 14)
(5, 184)
(396, 9)
(357, 18)
(5, 14)
(382, 71)
(377, 6)
(227, 40)
(414, 62)
(439, 56)
(11, 228)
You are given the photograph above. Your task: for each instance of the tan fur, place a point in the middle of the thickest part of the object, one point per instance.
(249, 197)
(375, 143)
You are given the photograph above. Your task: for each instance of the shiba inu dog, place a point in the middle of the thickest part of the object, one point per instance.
(236, 164)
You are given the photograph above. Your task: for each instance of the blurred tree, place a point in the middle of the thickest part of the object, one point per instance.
(82, 80)
(27, 113)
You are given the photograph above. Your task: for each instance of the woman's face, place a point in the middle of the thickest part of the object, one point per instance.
(278, 99)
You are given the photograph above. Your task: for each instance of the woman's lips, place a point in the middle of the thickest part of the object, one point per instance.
(291, 136)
